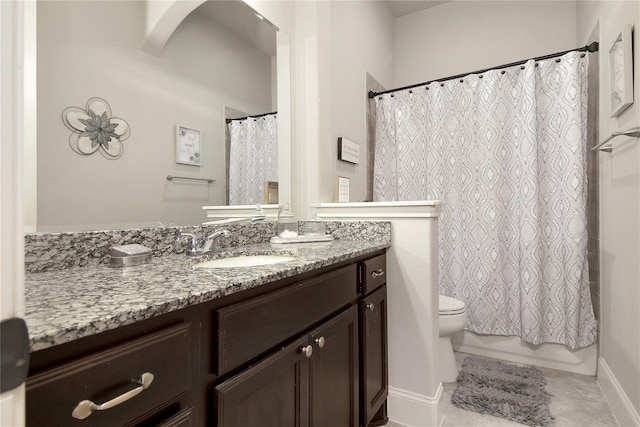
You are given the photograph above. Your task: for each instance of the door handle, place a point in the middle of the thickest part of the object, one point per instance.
(86, 407)
(377, 273)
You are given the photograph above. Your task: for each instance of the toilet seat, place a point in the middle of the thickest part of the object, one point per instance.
(450, 306)
(452, 319)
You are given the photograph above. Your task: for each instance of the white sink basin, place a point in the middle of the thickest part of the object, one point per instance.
(243, 261)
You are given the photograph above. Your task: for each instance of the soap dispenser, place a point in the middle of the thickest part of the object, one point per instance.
(287, 224)
(258, 214)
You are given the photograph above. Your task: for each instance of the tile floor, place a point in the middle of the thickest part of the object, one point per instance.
(576, 402)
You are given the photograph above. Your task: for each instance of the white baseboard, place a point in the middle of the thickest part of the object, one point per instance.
(415, 410)
(619, 402)
(512, 349)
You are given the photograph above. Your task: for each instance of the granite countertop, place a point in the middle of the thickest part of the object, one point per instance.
(65, 305)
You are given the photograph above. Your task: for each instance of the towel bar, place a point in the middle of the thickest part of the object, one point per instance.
(208, 180)
(634, 132)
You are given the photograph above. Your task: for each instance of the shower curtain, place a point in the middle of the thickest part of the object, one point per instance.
(506, 150)
(253, 158)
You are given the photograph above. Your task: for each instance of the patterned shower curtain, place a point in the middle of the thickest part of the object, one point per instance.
(507, 152)
(253, 158)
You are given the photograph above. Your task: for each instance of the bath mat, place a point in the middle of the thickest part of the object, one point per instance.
(502, 390)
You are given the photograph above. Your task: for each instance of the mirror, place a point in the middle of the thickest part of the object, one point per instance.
(221, 57)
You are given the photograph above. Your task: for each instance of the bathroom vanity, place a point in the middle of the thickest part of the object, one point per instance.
(300, 343)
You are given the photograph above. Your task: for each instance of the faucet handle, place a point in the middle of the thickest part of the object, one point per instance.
(219, 233)
(209, 244)
(193, 239)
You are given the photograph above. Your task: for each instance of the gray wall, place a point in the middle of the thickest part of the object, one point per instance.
(361, 43)
(619, 210)
(88, 49)
(444, 40)
(465, 36)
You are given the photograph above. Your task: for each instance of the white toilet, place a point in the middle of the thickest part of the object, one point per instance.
(453, 318)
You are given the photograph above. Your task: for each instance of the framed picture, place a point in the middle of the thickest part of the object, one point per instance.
(348, 151)
(188, 146)
(341, 190)
(621, 72)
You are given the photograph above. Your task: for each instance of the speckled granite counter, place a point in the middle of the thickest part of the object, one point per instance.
(64, 305)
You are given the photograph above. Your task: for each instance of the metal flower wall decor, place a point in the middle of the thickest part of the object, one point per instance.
(94, 129)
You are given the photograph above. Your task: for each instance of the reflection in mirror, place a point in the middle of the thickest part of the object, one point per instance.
(251, 140)
(92, 49)
(253, 159)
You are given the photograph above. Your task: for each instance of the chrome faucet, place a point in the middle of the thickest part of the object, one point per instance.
(208, 246)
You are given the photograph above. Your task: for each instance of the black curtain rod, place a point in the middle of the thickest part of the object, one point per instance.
(251, 117)
(593, 47)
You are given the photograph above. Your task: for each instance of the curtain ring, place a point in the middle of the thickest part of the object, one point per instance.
(558, 60)
(502, 72)
(522, 67)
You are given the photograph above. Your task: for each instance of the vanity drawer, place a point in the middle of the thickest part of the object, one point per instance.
(52, 395)
(251, 327)
(374, 273)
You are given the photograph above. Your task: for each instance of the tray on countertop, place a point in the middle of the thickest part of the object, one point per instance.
(302, 239)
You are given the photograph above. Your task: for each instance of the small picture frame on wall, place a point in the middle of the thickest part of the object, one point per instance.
(188, 146)
(621, 72)
(348, 151)
(341, 190)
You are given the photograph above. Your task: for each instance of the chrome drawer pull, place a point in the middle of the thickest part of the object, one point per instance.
(371, 306)
(86, 407)
(320, 341)
(378, 273)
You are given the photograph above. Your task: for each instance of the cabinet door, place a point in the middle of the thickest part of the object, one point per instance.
(273, 393)
(333, 372)
(373, 353)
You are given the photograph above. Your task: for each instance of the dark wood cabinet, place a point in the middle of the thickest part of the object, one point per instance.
(63, 396)
(273, 393)
(306, 351)
(374, 385)
(373, 354)
(183, 418)
(334, 372)
(311, 382)
(373, 274)
(249, 328)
